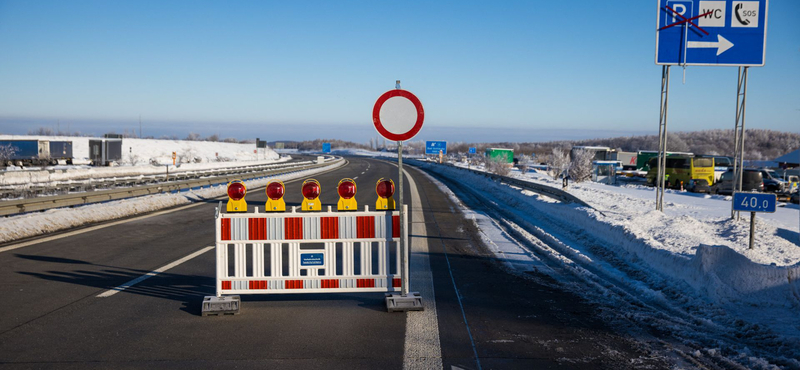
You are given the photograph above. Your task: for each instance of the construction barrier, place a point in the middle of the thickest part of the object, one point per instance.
(320, 252)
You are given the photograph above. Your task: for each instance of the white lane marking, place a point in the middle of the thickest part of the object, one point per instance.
(422, 348)
(150, 274)
(93, 228)
(355, 177)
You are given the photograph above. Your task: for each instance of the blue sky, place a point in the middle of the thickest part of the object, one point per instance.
(301, 70)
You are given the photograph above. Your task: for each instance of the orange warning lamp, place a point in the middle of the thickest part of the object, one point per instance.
(385, 190)
(311, 189)
(347, 193)
(236, 193)
(275, 192)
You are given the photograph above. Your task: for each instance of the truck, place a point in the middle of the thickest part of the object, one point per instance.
(643, 158)
(500, 154)
(103, 152)
(26, 152)
(61, 150)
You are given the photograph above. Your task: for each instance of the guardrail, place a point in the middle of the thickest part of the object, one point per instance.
(549, 191)
(34, 189)
(39, 204)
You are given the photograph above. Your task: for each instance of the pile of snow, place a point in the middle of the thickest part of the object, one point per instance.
(145, 151)
(26, 225)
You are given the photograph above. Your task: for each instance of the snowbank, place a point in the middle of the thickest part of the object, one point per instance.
(709, 255)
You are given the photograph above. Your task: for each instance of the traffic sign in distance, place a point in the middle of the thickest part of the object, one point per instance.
(754, 202)
(434, 147)
(326, 147)
(398, 115)
(704, 32)
(472, 150)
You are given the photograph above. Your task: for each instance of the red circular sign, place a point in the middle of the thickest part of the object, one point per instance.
(275, 190)
(385, 189)
(311, 190)
(347, 189)
(395, 120)
(236, 190)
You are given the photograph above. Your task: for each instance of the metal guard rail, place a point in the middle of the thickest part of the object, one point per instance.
(67, 200)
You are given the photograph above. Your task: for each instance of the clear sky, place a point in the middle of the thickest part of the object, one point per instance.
(299, 70)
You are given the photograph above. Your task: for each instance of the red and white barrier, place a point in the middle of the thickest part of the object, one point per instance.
(319, 252)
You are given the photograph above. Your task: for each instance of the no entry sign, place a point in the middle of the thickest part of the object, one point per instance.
(398, 115)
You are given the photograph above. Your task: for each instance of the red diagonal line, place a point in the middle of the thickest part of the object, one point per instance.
(684, 20)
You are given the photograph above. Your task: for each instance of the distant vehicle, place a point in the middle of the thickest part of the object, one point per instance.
(681, 169)
(601, 153)
(28, 153)
(795, 197)
(643, 158)
(751, 181)
(772, 183)
(698, 186)
(61, 150)
(104, 151)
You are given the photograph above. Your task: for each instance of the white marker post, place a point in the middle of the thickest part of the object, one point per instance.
(398, 116)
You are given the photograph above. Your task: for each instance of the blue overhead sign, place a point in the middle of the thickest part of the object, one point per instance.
(754, 202)
(326, 147)
(433, 147)
(705, 32)
(472, 150)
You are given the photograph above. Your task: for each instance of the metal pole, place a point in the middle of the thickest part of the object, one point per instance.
(662, 139)
(403, 245)
(752, 227)
(739, 129)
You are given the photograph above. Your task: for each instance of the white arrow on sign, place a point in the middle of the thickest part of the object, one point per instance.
(722, 44)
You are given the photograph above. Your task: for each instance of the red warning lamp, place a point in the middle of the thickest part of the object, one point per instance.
(385, 188)
(275, 190)
(347, 192)
(236, 191)
(311, 190)
(347, 189)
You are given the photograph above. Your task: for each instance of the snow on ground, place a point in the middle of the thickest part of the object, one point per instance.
(31, 224)
(645, 267)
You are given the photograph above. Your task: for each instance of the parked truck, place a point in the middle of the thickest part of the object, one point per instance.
(103, 152)
(61, 151)
(25, 152)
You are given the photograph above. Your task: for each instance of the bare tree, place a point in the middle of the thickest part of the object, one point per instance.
(558, 163)
(581, 167)
(214, 137)
(193, 136)
(525, 163)
(497, 166)
(6, 153)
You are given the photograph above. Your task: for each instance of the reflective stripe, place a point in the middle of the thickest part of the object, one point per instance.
(347, 227)
(239, 229)
(311, 228)
(275, 229)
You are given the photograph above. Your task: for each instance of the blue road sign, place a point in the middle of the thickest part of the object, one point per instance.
(433, 147)
(705, 32)
(312, 259)
(326, 147)
(472, 150)
(754, 202)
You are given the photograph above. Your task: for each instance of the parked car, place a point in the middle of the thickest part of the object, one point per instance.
(772, 183)
(751, 181)
(698, 186)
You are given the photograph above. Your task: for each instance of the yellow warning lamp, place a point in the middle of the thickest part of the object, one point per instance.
(311, 189)
(236, 193)
(347, 193)
(385, 190)
(275, 191)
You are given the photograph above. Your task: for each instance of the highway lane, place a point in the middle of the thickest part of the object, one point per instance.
(487, 318)
(54, 317)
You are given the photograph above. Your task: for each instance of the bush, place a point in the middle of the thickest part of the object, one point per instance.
(557, 163)
(497, 166)
(581, 167)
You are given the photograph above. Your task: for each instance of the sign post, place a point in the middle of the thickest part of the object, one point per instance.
(754, 202)
(709, 33)
(398, 116)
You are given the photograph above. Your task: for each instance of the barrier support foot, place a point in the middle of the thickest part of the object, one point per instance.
(213, 305)
(401, 303)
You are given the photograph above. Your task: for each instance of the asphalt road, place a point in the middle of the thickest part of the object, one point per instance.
(51, 317)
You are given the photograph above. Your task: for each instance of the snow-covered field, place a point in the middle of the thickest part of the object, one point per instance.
(687, 271)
